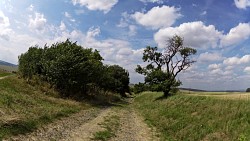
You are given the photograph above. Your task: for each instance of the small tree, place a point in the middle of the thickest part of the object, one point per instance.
(248, 90)
(163, 67)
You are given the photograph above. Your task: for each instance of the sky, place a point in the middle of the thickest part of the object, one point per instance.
(121, 29)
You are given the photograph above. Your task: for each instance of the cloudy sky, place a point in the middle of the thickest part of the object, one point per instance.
(121, 29)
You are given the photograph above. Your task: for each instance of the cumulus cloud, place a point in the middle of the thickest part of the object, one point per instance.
(206, 57)
(38, 22)
(4, 27)
(102, 5)
(214, 66)
(237, 61)
(236, 34)
(242, 4)
(195, 34)
(157, 17)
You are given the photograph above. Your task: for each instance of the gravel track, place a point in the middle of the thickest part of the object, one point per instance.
(82, 126)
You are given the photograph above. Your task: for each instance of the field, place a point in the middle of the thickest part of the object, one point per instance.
(197, 116)
(8, 68)
(25, 107)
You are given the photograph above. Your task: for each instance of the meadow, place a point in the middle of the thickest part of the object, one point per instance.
(25, 107)
(196, 115)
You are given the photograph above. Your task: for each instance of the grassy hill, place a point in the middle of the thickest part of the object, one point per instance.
(25, 107)
(191, 117)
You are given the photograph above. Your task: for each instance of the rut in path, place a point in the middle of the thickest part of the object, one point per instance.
(83, 125)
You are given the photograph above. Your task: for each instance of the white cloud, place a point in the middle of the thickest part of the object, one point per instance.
(237, 61)
(214, 66)
(102, 5)
(62, 26)
(152, 1)
(38, 22)
(205, 57)
(67, 15)
(4, 27)
(204, 13)
(124, 21)
(195, 34)
(132, 30)
(242, 4)
(31, 8)
(158, 17)
(236, 34)
(247, 70)
(4, 20)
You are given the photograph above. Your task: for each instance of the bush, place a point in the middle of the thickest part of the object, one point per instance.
(72, 69)
(248, 90)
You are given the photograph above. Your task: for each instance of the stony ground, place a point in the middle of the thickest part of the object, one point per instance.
(83, 125)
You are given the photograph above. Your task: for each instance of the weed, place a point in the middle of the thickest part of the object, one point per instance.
(110, 125)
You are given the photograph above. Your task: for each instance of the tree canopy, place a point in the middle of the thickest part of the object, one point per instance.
(163, 67)
(72, 69)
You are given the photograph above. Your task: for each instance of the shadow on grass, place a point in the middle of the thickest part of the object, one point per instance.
(163, 97)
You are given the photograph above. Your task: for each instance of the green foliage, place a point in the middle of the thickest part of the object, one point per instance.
(140, 87)
(175, 59)
(248, 90)
(30, 62)
(115, 79)
(75, 71)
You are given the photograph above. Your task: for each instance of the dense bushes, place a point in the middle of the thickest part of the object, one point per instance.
(73, 70)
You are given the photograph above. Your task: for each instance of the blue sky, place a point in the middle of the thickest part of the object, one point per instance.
(121, 29)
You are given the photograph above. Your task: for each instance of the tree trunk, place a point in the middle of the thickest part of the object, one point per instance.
(123, 94)
(166, 93)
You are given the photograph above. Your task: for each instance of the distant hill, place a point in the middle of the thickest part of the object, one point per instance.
(7, 64)
(190, 89)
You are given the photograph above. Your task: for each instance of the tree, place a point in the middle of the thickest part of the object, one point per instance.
(115, 79)
(248, 90)
(30, 62)
(163, 68)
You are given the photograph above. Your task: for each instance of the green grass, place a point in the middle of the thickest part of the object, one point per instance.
(110, 125)
(4, 73)
(25, 107)
(185, 117)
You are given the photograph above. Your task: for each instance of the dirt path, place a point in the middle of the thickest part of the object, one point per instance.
(133, 128)
(83, 125)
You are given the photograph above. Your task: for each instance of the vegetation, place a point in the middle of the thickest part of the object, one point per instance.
(4, 73)
(176, 58)
(73, 70)
(110, 125)
(25, 107)
(186, 117)
(248, 90)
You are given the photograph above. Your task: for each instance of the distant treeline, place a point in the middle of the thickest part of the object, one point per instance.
(75, 71)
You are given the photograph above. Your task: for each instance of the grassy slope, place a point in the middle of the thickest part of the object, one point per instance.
(184, 117)
(24, 107)
(4, 73)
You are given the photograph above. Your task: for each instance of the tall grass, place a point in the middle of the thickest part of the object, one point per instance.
(25, 107)
(183, 117)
